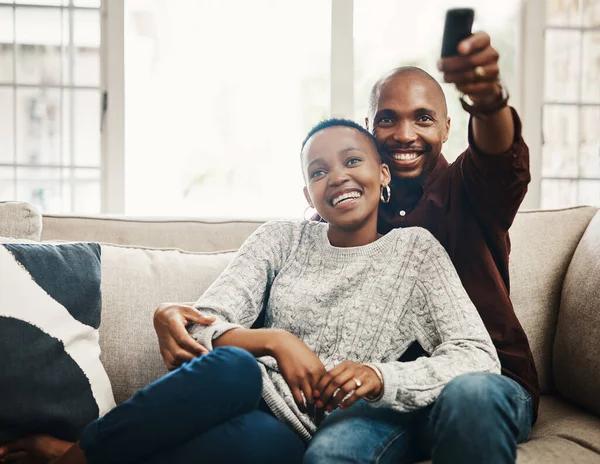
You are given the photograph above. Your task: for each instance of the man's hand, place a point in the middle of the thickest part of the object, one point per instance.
(343, 379)
(176, 345)
(300, 367)
(475, 70)
(36, 449)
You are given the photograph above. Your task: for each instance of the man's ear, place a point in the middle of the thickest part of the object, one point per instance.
(447, 130)
(367, 123)
(308, 199)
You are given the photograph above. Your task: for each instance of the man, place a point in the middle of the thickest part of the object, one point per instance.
(469, 206)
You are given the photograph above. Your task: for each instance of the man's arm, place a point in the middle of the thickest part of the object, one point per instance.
(495, 167)
(475, 73)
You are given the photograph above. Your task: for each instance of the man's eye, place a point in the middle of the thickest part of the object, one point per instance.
(384, 120)
(317, 173)
(425, 118)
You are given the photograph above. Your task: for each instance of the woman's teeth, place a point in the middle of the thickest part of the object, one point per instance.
(345, 196)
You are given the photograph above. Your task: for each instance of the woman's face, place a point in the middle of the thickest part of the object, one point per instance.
(344, 176)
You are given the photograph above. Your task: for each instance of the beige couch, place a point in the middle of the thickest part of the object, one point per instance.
(555, 276)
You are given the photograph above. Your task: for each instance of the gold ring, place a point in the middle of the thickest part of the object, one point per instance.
(480, 71)
(358, 382)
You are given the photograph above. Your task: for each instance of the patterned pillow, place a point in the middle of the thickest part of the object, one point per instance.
(51, 377)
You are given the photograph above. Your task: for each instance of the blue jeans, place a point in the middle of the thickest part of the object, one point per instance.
(205, 411)
(477, 418)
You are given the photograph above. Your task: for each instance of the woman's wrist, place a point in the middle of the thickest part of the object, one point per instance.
(379, 374)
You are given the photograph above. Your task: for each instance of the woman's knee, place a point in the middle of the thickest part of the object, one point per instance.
(235, 371)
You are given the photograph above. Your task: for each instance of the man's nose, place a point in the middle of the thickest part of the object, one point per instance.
(405, 133)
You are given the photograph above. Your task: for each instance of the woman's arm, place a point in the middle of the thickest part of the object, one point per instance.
(448, 327)
(239, 294)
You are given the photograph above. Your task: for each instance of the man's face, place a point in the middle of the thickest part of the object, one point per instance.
(343, 175)
(410, 125)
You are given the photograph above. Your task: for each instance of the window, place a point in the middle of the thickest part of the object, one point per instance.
(571, 106)
(218, 97)
(50, 104)
(410, 34)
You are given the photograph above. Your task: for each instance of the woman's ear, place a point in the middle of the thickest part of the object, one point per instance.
(386, 176)
(308, 199)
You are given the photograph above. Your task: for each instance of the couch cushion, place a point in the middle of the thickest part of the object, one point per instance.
(543, 243)
(134, 282)
(20, 220)
(184, 234)
(563, 433)
(51, 378)
(577, 345)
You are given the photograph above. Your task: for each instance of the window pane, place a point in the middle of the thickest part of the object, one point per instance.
(6, 47)
(589, 192)
(86, 37)
(559, 152)
(385, 41)
(41, 187)
(7, 138)
(218, 103)
(38, 126)
(7, 184)
(562, 65)
(591, 12)
(39, 40)
(86, 191)
(562, 12)
(87, 3)
(590, 91)
(558, 193)
(86, 126)
(589, 150)
(43, 2)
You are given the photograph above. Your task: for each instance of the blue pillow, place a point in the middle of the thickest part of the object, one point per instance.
(51, 377)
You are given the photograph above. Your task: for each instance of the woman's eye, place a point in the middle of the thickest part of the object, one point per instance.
(317, 173)
(353, 161)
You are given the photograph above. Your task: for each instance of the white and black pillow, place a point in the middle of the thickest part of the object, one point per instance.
(51, 377)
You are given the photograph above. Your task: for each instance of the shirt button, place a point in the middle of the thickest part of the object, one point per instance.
(402, 213)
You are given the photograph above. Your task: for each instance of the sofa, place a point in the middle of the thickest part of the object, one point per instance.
(555, 288)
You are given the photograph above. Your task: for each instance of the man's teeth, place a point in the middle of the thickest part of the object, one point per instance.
(405, 156)
(345, 196)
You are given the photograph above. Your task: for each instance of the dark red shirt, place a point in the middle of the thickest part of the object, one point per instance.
(469, 206)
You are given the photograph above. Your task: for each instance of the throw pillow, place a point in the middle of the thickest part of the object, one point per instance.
(51, 377)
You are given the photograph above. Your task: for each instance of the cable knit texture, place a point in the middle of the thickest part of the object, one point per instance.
(365, 304)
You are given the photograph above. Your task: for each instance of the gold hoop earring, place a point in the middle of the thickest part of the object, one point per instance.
(388, 194)
(311, 216)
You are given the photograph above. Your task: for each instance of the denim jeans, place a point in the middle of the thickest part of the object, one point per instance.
(478, 418)
(205, 411)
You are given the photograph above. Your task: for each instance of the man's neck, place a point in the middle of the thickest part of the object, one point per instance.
(407, 193)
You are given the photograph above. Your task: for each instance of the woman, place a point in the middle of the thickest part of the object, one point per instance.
(366, 297)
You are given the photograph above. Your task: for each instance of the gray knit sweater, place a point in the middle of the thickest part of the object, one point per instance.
(365, 304)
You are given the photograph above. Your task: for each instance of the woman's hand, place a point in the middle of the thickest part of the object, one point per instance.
(300, 367)
(343, 379)
(176, 345)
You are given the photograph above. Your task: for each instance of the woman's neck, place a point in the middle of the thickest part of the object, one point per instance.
(363, 235)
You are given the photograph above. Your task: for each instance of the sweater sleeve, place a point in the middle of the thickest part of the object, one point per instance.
(448, 327)
(239, 294)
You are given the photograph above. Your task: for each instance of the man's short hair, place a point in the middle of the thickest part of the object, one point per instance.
(401, 71)
(337, 122)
